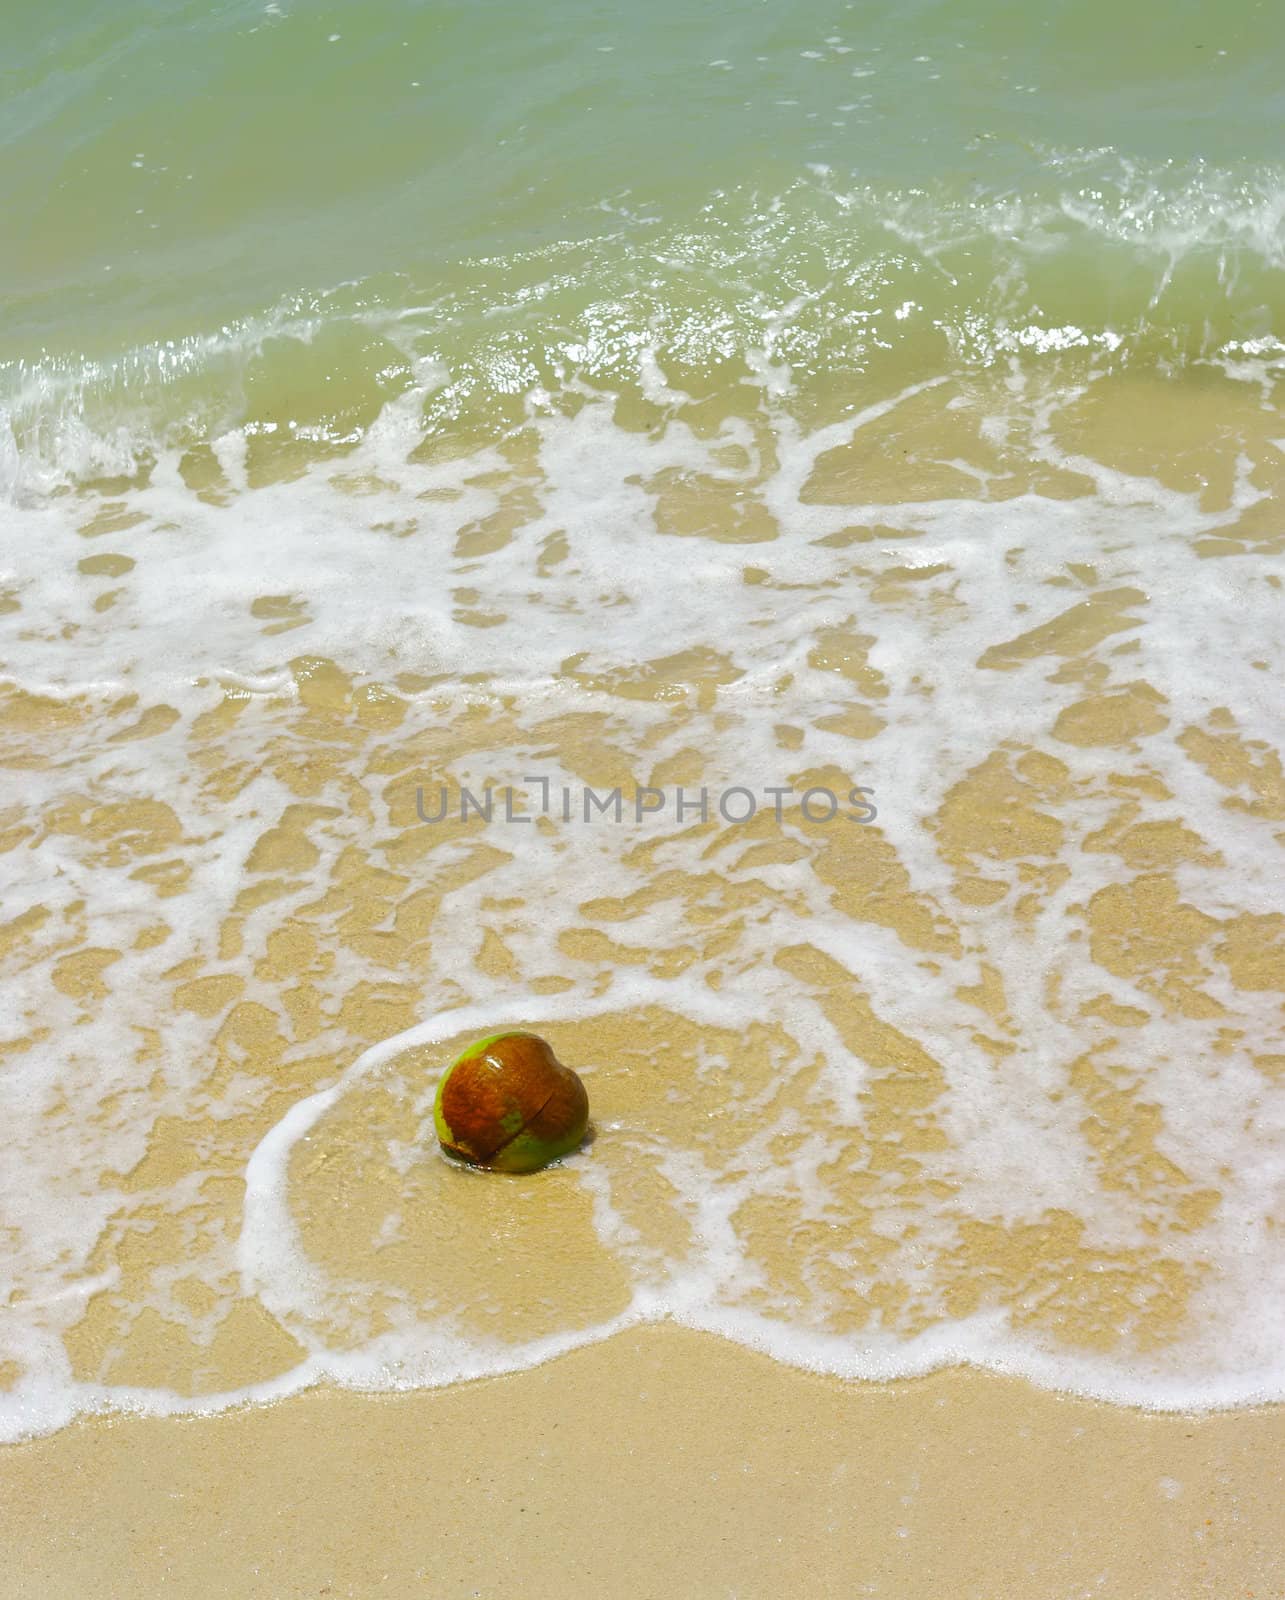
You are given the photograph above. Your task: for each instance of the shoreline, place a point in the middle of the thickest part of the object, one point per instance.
(659, 1461)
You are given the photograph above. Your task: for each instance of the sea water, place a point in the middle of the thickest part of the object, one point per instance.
(744, 537)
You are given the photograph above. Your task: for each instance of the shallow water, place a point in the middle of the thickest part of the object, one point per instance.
(737, 405)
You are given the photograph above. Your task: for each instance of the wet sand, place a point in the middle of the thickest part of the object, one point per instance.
(659, 1463)
(225, 925)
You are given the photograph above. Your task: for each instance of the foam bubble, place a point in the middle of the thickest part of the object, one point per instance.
(1028, 1018)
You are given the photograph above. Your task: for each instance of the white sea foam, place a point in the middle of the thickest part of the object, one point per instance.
(381, 564)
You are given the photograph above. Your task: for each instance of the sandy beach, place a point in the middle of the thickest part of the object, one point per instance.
(746, 541)
(1013, 1105)
(660, 1463)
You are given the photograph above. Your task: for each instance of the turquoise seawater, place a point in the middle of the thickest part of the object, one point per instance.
(758, 400)
(221, 213)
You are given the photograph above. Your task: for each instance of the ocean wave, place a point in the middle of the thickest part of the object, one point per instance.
(825, 287)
